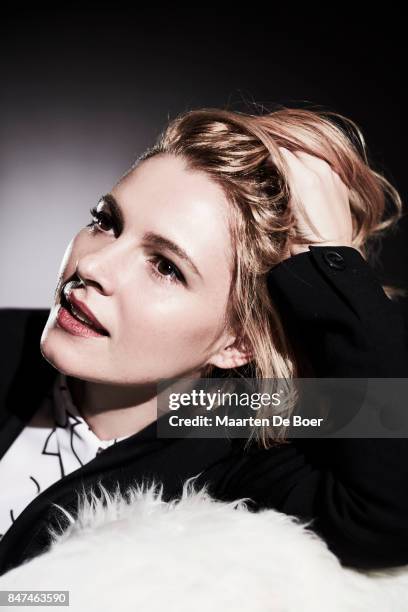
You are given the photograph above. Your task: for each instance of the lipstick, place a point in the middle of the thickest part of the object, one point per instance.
(75, 327)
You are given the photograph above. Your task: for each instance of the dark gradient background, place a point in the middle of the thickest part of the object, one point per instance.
(84, 91)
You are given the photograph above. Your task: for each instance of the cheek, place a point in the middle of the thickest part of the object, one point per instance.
(181, 326)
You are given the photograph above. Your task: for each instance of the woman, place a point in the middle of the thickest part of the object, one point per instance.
(235, 247)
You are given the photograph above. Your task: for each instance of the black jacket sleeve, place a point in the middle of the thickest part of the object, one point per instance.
(355, 490)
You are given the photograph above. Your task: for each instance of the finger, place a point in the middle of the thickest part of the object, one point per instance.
(295, 164)
(319, 165)
(314, 163)
(299, 170)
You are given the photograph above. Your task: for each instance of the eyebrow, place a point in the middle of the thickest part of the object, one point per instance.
(156, 240)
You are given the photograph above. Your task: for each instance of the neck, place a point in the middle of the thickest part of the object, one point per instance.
(114, 411)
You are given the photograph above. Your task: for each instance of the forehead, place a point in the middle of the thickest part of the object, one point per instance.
(160, 195)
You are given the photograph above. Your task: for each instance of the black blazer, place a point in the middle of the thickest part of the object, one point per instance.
(355, 489)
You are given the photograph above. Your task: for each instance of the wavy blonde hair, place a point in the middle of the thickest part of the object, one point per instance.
(239, 151)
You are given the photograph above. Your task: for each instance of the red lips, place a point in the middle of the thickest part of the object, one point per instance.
(86, 311)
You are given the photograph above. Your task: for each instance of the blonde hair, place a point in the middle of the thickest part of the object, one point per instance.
(240, 152)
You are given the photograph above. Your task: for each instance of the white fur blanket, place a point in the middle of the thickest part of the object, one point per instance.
(199, 554)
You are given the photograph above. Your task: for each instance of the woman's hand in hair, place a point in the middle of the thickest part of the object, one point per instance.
(320, 201)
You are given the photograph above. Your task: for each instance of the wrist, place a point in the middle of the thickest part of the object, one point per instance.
(304, 248)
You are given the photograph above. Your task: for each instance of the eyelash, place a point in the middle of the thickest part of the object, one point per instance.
(176, 275)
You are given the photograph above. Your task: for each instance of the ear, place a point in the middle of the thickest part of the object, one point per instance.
(234, 354)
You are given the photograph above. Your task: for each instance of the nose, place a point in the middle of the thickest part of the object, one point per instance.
(93, 269)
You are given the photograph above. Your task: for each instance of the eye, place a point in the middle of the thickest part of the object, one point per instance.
(100, 217)
(166, 271)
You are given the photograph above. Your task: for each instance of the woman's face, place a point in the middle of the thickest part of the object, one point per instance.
(164, 312)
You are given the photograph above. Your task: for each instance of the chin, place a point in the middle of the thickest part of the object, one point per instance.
(59, 353)
(55, 356)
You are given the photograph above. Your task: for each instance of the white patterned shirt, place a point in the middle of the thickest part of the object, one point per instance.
(45, 451)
